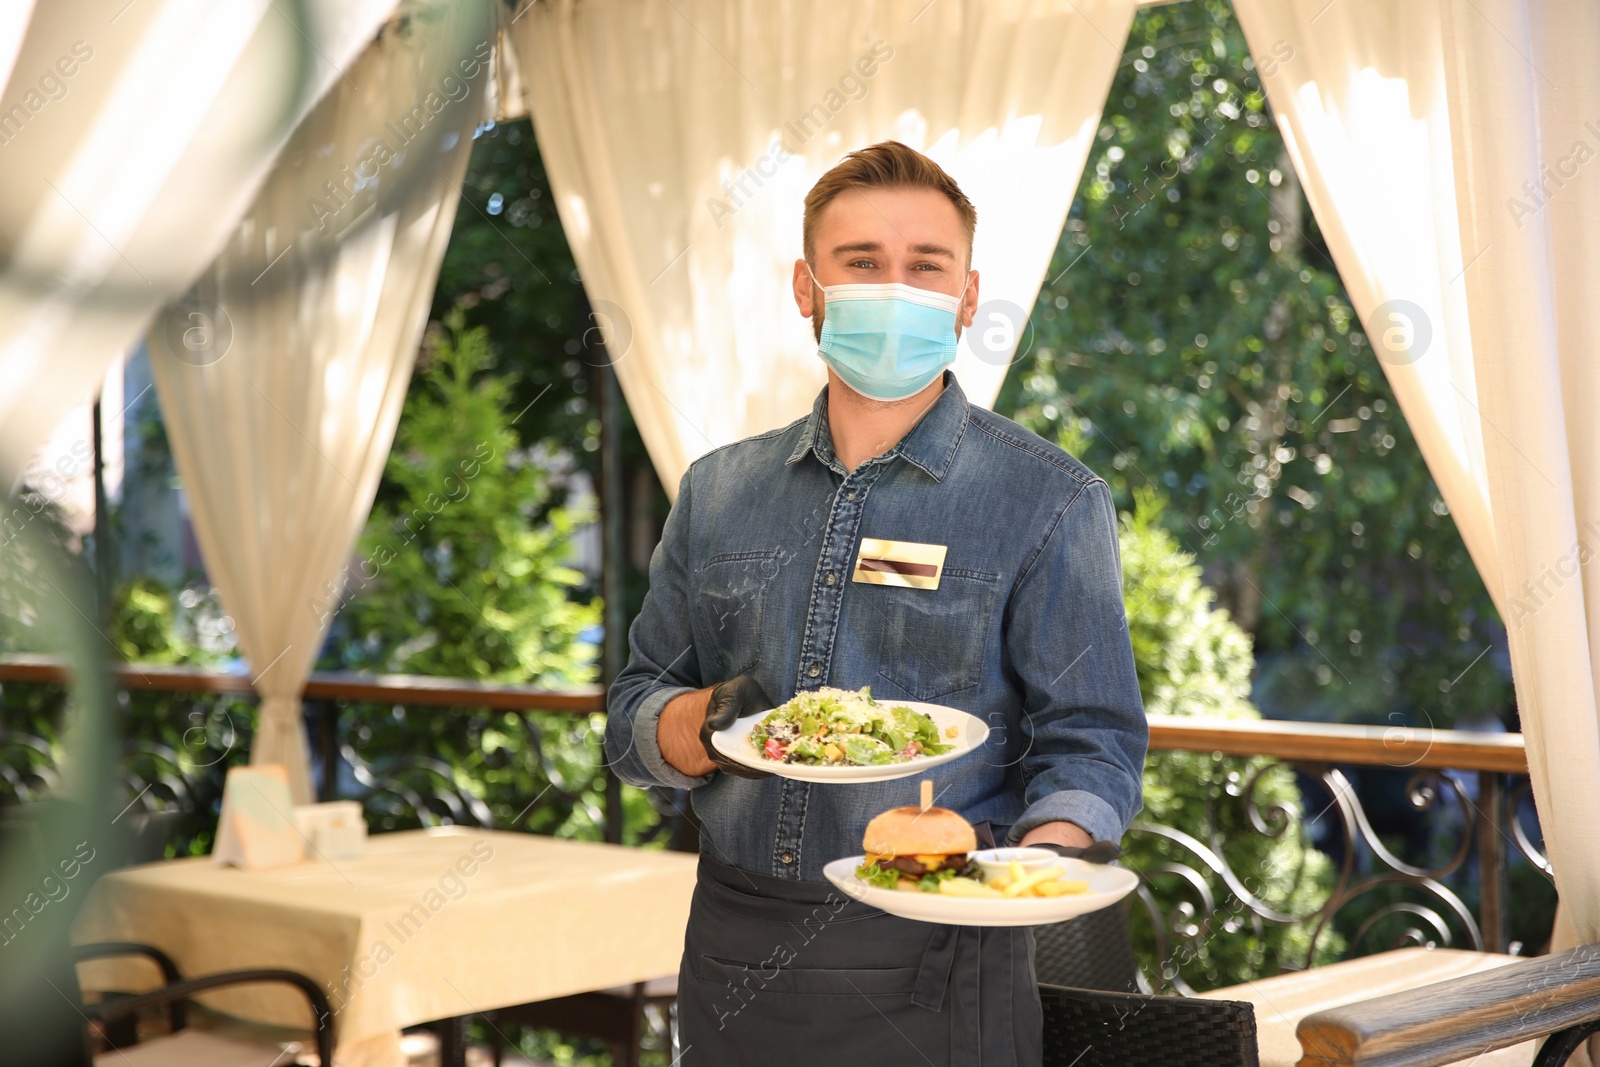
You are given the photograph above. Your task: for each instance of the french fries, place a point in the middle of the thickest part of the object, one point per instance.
(1018, 883)
(1014, 884)
(1021, 885)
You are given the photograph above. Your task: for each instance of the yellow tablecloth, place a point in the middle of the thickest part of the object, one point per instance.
(427, 924)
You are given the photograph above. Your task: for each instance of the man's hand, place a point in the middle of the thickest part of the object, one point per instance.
(688, 721)
(1057, 833)
(678, 733)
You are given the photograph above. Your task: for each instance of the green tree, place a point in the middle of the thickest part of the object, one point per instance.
(1194, 330)
(1193, 660)
(31, 523)
(463, 572)
(463, 566)
(510, 269)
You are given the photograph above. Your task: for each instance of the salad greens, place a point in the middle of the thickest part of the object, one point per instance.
(882, 877)
(889, 878)
(836, 727)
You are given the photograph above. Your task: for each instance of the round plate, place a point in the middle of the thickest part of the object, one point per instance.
(971, 732)
(1107, 885)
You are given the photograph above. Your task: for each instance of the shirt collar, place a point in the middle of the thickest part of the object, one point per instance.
(930, 446)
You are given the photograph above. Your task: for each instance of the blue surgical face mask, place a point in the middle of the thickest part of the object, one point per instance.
(887, 341)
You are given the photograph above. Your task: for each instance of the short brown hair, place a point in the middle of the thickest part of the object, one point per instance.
(886, 164)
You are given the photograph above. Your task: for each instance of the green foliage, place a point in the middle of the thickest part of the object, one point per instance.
(31, 522)
(463, 573)
(149, 623)
(463, 568)
(1195, 331)
(509, 269)
(176, 744)
(143, 626)
(1193, 660)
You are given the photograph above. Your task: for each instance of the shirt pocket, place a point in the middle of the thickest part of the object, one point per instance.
(732, 601)
(932, 640)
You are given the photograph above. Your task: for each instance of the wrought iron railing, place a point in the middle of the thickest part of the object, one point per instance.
(1476, 784)
(424, 751)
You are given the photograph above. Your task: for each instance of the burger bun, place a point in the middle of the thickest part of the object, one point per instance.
(913, 831)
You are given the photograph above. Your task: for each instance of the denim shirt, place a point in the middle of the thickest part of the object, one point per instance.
(1025, 630)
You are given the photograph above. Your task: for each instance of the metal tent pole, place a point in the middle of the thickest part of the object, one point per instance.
(613, 506)
(102, 520)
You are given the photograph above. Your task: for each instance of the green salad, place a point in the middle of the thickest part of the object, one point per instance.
(838, 727)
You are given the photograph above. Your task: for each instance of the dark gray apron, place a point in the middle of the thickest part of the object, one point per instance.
(781, 972)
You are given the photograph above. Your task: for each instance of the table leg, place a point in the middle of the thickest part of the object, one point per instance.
(453, 1041)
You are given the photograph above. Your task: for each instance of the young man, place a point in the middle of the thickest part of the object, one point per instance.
(756, 593)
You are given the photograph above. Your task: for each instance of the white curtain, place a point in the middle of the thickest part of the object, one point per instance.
(1358, 91)
(1448, 148)
(1524, 79)
(282, 372)
(132, 138)
(681, 137)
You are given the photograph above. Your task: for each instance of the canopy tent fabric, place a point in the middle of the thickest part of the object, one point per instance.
(1438, 144)
(13, 25)
(283, 371)
(681, 136)
(132, 137)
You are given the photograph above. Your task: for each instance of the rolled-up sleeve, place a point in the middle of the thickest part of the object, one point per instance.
(1067, 640)
(661, 664)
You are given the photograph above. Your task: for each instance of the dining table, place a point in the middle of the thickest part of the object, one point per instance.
(424, 925)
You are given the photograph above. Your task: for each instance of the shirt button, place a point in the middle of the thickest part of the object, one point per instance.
(851, 495)
(787, 857)
(814, 671)
(830, 579)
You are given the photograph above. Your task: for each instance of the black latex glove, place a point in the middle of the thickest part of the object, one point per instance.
(1094, 852)
(733, 699)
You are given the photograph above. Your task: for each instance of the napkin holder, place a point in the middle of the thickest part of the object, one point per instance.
(257, 831)
(333, 831)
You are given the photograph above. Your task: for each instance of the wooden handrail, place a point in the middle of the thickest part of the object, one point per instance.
(1460, 1019)
(1378, 746)
(1316, 742)
(325, 685)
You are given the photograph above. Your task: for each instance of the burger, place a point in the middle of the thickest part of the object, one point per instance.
(917, 848)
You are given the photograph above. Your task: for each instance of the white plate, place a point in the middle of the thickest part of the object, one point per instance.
(1107, 885)
(971, 732)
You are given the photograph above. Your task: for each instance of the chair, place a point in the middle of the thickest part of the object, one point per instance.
(1488, 1019)
(56, 1010)
(185, 1045)
(1099, 1028)
(1411, 1006)
(1092, 951)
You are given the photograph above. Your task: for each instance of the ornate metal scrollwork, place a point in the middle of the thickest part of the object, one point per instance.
(559, 755)
(1185, 893)
(1516, 797)
(27, 766)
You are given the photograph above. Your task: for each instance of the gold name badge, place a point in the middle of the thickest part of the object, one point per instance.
(903, 563)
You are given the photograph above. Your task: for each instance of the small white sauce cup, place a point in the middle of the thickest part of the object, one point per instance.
(994, 861)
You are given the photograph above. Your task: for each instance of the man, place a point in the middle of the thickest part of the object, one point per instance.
(756, 593)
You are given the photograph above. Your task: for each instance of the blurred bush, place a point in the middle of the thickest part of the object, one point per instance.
(1193, 660)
